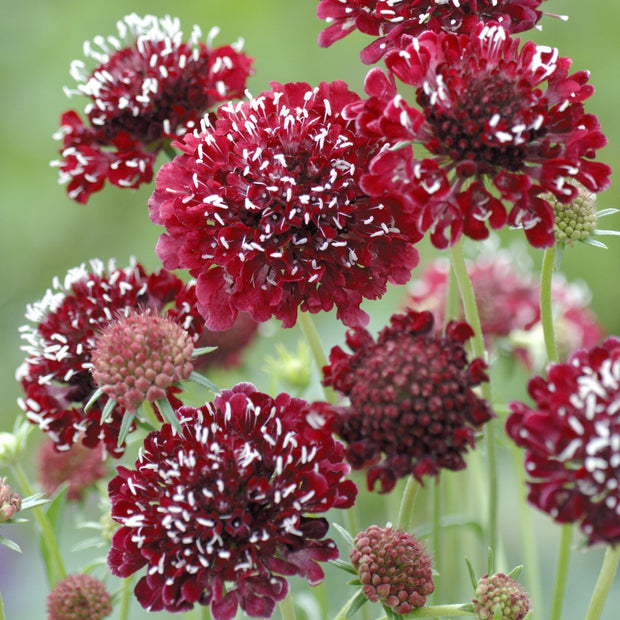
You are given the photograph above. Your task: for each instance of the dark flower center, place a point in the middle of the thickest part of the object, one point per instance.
(488, 122)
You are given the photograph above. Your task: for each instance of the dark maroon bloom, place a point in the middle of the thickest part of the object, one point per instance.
(146, 87)
(572, 441)
(63, 330)
(505, 127)
(217, 513)
(393, 567)
(412, 406)
(80, 466)
(264, 208)
(391, 19)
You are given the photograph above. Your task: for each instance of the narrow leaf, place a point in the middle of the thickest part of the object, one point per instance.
(10, 544)
(472, 574)
(93, 399)
(107, 410)
(169, 415)
(515, 572)
(355, 605)
(346, 566)
(196, 377)
(202, 351)
(344, 533)
(128, 419)
(490, 562)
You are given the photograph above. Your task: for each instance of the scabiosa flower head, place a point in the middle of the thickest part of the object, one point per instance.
(80, 466)
(146, 86)
(10, 502)
(393, 567)
(412, 407)
(391, 19)
(139, 357)
(572, 441)
(79, 597)
(503, 592)
(62, 334)
(218, 513)
(230, 343)
(507, 296)
(505, 126)
(264, 208)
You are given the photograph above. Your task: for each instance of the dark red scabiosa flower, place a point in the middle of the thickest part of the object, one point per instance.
(265, 210)
(62, 334)
(572, 441)
(505, 127)
(230, 343)
(145, 86)
(507, 297)
(393, 567)
(219, 513)
(412, 408)
(80, 466)
(79, 597)
(389, 20)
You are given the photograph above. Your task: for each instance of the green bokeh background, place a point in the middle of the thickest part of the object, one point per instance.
(43, 233)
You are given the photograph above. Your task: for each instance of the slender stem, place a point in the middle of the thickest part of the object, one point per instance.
(468, 297)
(546, 312)
(406, 504)
(314, 341)
(55, 566)
(453, 301)
(437, 537)
(436, 611)
(123, 612)
(287, 609)
(1, 608)
(205, 613)
(561, 572)
(528, 541)
(603, 583)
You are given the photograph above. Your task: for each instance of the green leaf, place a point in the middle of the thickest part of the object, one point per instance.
(128, 418)
(604, 212)
(356, 603)
(10, 544)
(346, 566)
(450, 522)
(202, 351)
(515, 572)
(93, 399)
(499, 614)
(606, 232)
(34, 500)
(472, 574)
(56, 506)
(196, 377)
(107, 410)
(595, 243)
(169, 415)
(490, 562)
(344, 533)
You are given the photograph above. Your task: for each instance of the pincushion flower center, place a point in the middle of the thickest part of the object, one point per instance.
(491, 121)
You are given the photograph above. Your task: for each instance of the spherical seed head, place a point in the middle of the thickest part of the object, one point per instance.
(501, 591)
(10, 502)
(139, 357)
(393, 567)
(78, 597)
(576, 220)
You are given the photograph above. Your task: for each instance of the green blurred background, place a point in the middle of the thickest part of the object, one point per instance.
(43, 233)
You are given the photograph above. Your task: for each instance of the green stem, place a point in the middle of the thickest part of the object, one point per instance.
(561, 572)
(123, 612)
(406, 504)
(528, 539)
(287, 609)
(54, 564)
(546, 311)
(603, 583)
(436, 611)
(472, 316)
(453, 301)
(314, 341)
(1, 608)
(205, 613)
(437, 536)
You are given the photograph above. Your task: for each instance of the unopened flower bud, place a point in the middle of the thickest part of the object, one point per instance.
(140, 356)
(393, 567)
(10, 502)
(576, 220)
(78, 597)
(501, 591)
